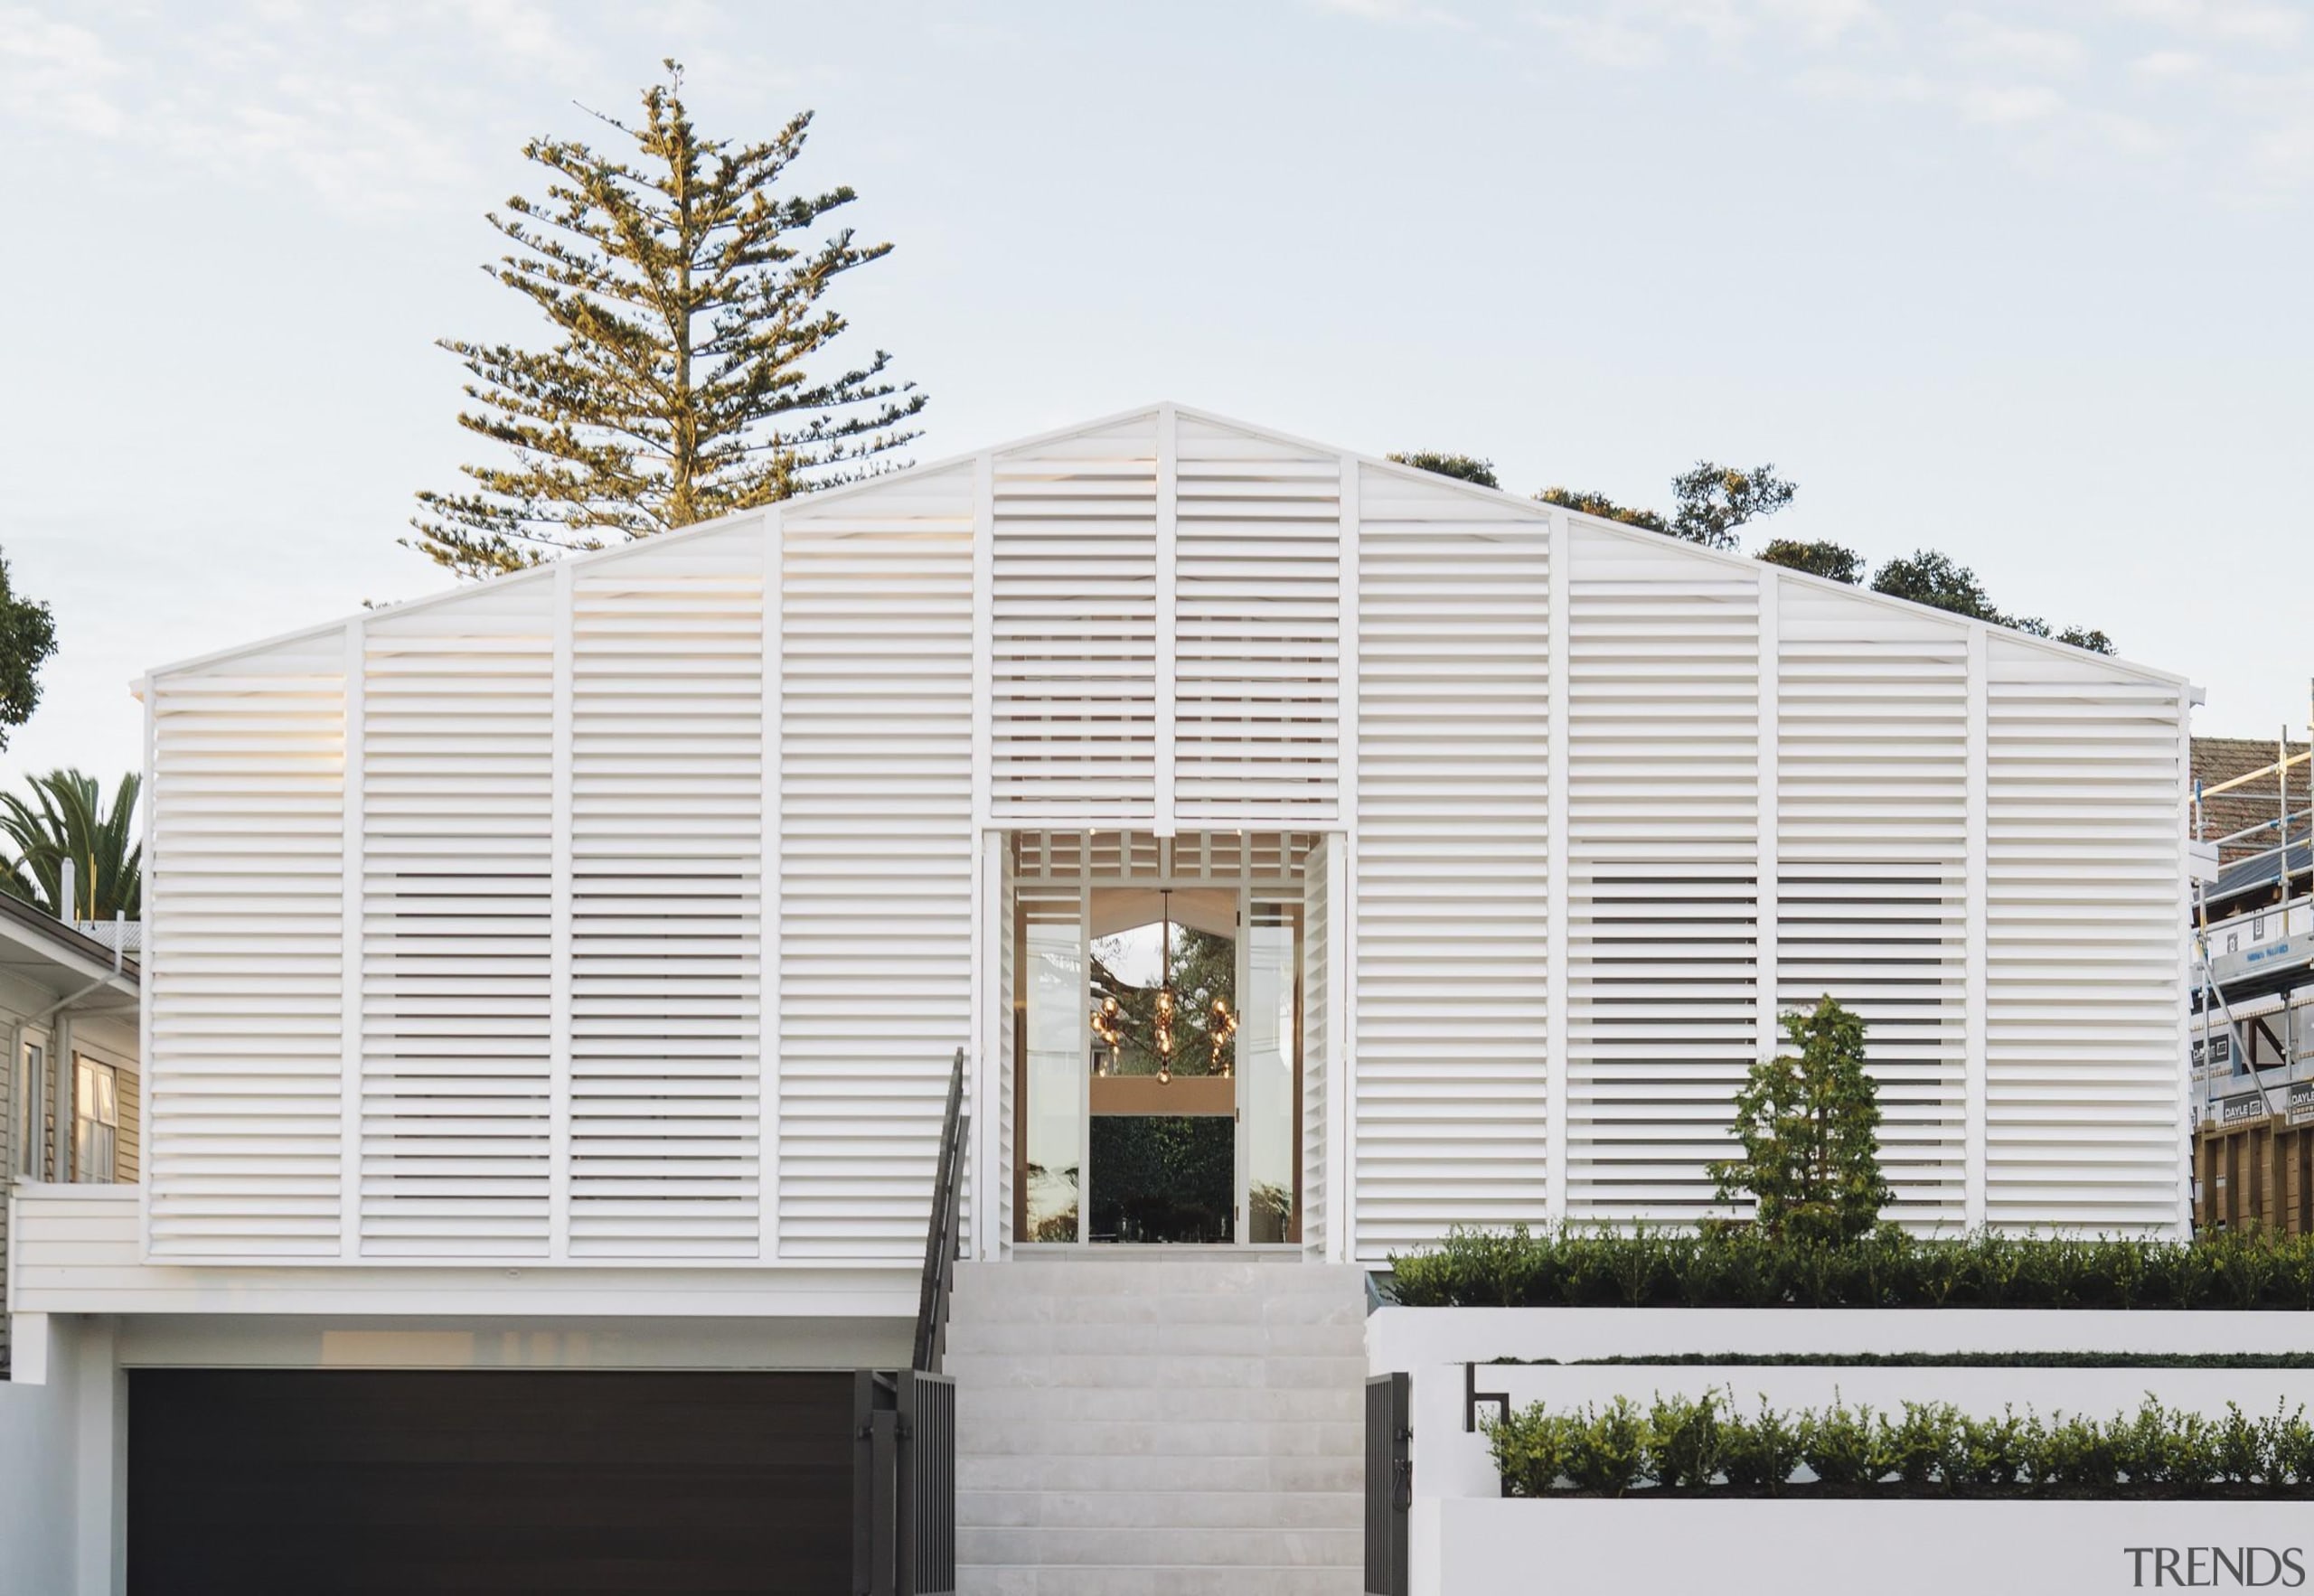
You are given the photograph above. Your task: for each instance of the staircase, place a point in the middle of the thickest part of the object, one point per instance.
(1172, 1421)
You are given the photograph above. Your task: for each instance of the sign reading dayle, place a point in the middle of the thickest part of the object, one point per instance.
(2242, 1109)
(2299, 1109)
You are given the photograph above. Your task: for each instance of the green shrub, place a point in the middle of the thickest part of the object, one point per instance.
(1841, 1446)
(1530, 1450)
(1684, 1449)
(1735, 1266)
(1699, 1445)
(1606, 1451)
(1920, 1448)
(1759, 1454)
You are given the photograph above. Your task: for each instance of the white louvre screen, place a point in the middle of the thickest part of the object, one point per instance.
(1258, 622)
(1317, 978)
(1872, 810)
(1662, 855)
(1449, 895)
(876, 860)
(2085, 1049)
(1073, 635)
(246, 897)
(666, 895)
(456, 856)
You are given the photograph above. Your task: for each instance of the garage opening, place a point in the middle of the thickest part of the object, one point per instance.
(266, 1480)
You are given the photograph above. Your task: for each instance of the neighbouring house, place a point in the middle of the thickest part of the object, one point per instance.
(553, 986)
(70, 1131)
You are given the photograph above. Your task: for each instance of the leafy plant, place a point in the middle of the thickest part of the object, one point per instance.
(1606, 1451)
(64, 817)
(1841, 1446)
(1808, 1121)
(1684, 1441)
(1729, 1265)
(1759, 1454)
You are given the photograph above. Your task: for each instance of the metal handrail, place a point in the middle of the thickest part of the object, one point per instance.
(940, 1241)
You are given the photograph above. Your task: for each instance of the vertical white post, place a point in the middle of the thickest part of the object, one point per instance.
(1345, 653)
(153, 1071)
(559, 908)
(1167, 704)
(100, 1463)
(1341, 1242)
(768, 892)
(1556, 1063)
(993, 1218)
(2188, 892)
(1766, 894)
(1975, 1201)
(348, 1184)
(983, 1093)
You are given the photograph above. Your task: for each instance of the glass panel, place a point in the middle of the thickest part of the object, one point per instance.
(1269, 1042)
(1140, 938)
(1163, 1178)
(35, 1088)
(1050, 1017)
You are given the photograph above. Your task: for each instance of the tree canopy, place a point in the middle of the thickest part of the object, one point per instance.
(1711, 502)
(1468, 467)
(691, 372)
(62, 816)
(28, 637)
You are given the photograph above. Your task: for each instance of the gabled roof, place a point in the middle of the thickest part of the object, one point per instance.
(1497, 498)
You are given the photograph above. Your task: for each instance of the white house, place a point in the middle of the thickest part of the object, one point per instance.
(565, 971)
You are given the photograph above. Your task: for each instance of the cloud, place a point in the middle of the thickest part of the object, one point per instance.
(1605, 40)
(57, 72)
(1985, 40)
(1396, 11)
(2242, 21)
(2169, 64)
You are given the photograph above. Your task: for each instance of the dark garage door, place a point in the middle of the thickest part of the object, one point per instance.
(262, 1482)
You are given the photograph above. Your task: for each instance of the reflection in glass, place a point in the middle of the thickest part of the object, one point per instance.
(1052, 1048)
(1180, 942)
(1270, 1046)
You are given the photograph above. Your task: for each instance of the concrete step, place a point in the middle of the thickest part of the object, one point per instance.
(1166, 1579)
(1004, 1305)
(1037, 1544)
(1183, 1422)
(1252, 1473)
(1218, 1404)
(1168, 1509)
(981, 1338)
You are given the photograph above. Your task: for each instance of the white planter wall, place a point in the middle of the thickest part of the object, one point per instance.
(1753, 1548)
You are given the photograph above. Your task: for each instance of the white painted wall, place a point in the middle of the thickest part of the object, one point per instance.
(63, 1460)
(1749, 1548)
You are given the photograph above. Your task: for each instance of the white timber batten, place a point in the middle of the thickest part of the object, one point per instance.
(1166, 606)
(766, 1099)
(1975, 991)
(626, 916)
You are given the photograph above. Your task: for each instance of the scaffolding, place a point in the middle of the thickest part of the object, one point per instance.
(2251, 1065)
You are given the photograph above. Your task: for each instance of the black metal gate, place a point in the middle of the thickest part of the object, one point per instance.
(903, 1484)
(1389, 1483)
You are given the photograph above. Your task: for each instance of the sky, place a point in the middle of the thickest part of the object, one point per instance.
(2028, 284)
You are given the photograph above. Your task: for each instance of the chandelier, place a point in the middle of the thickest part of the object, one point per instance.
(1109, 1019)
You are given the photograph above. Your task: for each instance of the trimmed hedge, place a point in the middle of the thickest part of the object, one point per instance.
(1732, 1267)
(1695, 1446)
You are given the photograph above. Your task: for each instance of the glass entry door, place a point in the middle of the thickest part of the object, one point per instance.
(1158, 1058)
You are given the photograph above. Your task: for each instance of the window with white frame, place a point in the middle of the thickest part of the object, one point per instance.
(32, 1078)
(96, 1120)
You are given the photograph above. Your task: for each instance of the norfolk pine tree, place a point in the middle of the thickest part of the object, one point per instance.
(689, 375)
